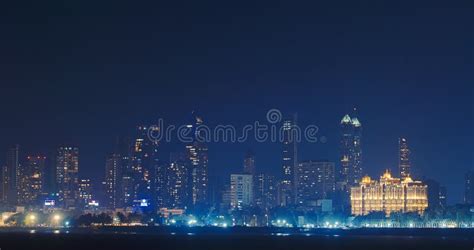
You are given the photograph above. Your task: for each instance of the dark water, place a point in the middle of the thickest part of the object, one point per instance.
(235, 239)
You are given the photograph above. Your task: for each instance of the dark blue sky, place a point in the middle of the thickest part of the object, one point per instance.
(84, 72)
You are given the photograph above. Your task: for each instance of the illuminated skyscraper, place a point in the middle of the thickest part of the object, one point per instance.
(113, 180)
(314, 181)
(11, 174)
(31, 180)
(287, 189)
(67, 169)
(85, 192)
(197, 155)
(143, 163)
(403, 158)
(350, 171)
(176, 182)
(3, 184)
(357, 150)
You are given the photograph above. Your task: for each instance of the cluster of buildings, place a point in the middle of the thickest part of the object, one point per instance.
(137, 180)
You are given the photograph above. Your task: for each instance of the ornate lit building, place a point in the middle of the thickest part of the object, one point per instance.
(388, 195)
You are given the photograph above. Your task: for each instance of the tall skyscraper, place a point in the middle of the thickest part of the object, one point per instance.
(265, 191)
(249, 163)
(113, 180)
(241, 190)
(315, 180)
(198, 158)
(404, 158)
(31, 180)
(143, 163)
(350, 172)
(176, 182)
(287, 187)
(3, 184)
(67, 169)
(12, 174)
(469, 187)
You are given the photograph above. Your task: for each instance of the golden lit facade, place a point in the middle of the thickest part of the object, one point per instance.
(389, 195)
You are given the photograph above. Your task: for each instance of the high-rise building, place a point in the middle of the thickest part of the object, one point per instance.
(31, 180)
(176, 182)
(67, 170)
(389, 195)
(287, 189)
(85, 192)
(113, 181)
(12, 172)
(241, 190)
(197, 154)
(3, 184)
(436, 194)
(404, 158)
(124, 186)
(350, 171)
(143, 164)
(249, 163)
(315, 180)
(469, 187)
(443, 196)
(265, 191)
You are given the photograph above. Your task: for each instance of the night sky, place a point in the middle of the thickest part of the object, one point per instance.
(81, 73)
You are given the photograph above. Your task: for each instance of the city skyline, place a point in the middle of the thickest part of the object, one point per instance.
(165, 150)
(142, 143)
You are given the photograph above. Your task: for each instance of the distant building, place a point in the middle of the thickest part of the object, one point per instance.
(443, 196)
(113, 181)
(3, 184)
(85, 192)
(67, 170)
(241, 190)
(177, 182)
(287, 189)
(350, 151)
(11, 175)
(403, 158)
(198, 163)
(265, 191)
(249, 163)
(389, 195)
(142, 168)
(436, 194)
(469, 187)
(315, 180)
(31, 180)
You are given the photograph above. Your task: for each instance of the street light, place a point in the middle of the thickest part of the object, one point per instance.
(31, 219)
(56, 220)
